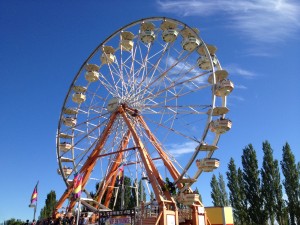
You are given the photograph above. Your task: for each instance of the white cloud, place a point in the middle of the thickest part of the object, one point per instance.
(238, 86)
(234, 69)
(239, 98)
(179, 149)
(266, 21)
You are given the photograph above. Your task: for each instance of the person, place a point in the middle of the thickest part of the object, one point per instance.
(154, 206)
(84, 220)
(27, 222)
(33, 222)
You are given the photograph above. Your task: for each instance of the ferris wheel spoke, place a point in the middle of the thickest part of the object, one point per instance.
(163, 74)
(152, 95)
(107, 85)
(172, 130)
(176, 109)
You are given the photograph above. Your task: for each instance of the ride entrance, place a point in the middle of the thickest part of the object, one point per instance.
(140, 123)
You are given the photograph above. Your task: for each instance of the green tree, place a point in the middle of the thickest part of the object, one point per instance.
(13, 221)
(252, 186)
(152, 196)
(224, 196)
(50, 203)
(121, 191)
(236, 193)
(267, 185)
(245, 217)
(219, 194)
(216, 192)
(291, 184)
(280, 207)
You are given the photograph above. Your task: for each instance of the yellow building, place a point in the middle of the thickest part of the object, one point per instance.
(219, 215)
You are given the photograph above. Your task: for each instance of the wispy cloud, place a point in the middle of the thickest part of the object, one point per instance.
(239, 98)
(234, 69)
(239, 86)
(266, 21)
(179, 149)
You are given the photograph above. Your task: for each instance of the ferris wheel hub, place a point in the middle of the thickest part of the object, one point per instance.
(113, 104)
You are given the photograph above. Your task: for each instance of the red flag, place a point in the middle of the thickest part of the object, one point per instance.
(34, 194)
(77, 185)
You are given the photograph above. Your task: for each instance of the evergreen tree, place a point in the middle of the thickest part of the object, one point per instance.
(216, 192)
(50, 203)
(13, 221)
(268, 186)
(291, 184)
(244, 215)
(252, 186)
(219, 194)
(141, 192)
(236, 193)
(139, 189)
(123, 190)
(224, 196)
(152, 196)
(280, 208)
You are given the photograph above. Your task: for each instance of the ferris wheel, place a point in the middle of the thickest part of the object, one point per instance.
(150, 103)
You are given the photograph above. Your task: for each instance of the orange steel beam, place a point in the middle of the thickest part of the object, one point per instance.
(149, 165)
(62, 199)
(115, 167)
(116, 152)
(167, 162)
(88, 166)
(113, 170)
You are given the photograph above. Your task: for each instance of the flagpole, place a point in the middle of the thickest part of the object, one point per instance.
(34, 198)
(36, 201)
(78, 211)
(34, 211)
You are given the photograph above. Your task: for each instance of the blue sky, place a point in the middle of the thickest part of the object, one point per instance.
(43, 44)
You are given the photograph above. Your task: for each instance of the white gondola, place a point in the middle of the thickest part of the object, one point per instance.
(218, 111)
(108, 55)
(147, 36)
(208, 164)
(107, 58)
(190, 43)
(224, 88)
(66, 171)
(147, 33)
(211, 49)
(79, 97)
(64, 159)
(70, 111)
(204, 62)
(92, 76)
(65, 146)
(69, 121)
(219, 74)
(206, 147)
(92, 73)
(220, 126)
(170, 35)
(126, 40)
(65, 136)
(188, 198)
(170, 32)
